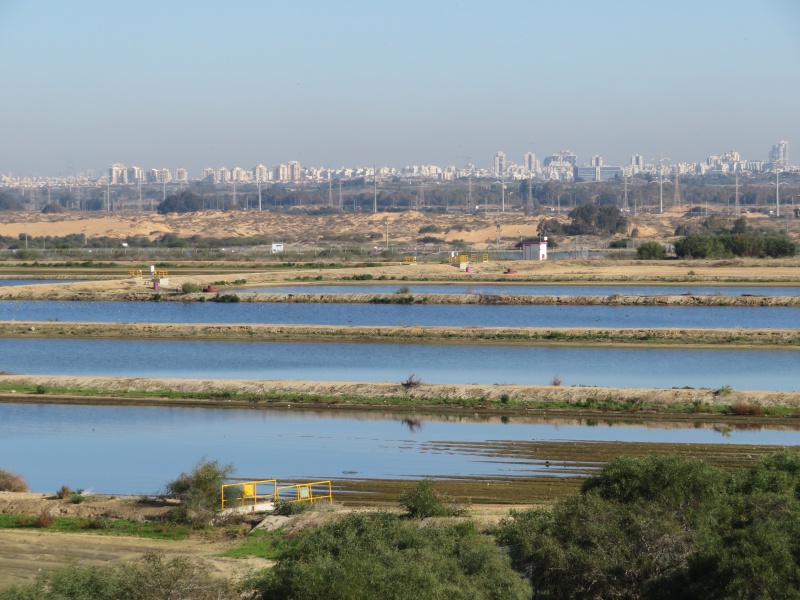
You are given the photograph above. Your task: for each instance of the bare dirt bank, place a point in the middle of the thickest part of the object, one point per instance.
(335, 395)
(415, 334)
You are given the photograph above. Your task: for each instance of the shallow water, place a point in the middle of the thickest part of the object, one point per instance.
(463, 315)
(744, 369)
(129, 450)
(11, 282)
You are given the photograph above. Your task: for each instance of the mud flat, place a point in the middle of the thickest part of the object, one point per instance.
(788, 338)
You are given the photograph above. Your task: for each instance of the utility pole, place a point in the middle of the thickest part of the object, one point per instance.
(341, 206)
(503, 191)
(736, 197)
(625, 193)
(676, 196)
(330, 191)
(259, 195)
(108, 196)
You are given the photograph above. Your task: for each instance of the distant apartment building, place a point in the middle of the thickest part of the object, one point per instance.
(136, 175)
(281, 173)
(530, 163)
(209, 175)
(499, 163)
(260, 173)
(779, 155)
(295, 173)
(223, 175)
(637, 163)
(239, 175)
(117, 174)
(182, 175)
(596, 161)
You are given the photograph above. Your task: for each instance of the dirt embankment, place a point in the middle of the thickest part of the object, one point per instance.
(379, 395)
(411, 334)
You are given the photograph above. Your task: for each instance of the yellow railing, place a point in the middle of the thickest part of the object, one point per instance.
(309, 492)
(161, 274)
(247, 493)
(135, 273)
(410, 260)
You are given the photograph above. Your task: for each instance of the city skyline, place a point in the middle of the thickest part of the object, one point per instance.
(199, 84)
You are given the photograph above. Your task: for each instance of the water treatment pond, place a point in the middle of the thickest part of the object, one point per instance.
(10, 282)
(463, 315)
(744, 369)
(132, 450)
(528, 289)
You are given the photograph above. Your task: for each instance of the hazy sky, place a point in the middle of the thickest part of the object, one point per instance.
(354, 82)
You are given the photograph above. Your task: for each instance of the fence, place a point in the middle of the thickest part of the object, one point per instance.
(248, 493)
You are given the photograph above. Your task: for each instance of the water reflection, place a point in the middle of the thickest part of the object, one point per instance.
(651, 367)
(137, 449)
(704, 317)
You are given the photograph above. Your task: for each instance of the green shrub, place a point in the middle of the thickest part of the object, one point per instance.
(199, 491)
(152, 577)
(190, 288)
(285, 508)
(11, 482)
(379, 555)
(424, 501)
(226, 298)
(40, 389)
(651, 251)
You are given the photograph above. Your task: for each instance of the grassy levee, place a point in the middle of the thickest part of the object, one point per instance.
(416, 334)
(480, 400)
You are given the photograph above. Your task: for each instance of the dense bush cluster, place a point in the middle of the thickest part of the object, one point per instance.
(651, 251)
(665, 527)
(591, 219)
(380, 555)
(726, 245)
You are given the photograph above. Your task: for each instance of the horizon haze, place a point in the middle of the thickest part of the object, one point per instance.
(206, 84)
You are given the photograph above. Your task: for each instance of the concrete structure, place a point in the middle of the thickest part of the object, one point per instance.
(535, 250)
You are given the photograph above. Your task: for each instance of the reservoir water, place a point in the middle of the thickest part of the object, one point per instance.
(127, 450)
(36, 281)
(529, 289)
(462, 315)
(744, 369)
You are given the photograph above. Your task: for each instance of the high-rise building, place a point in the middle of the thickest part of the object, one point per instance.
(136, 175)
(282, 173)
(529, 162)
(164, 176)
(182, 175)
(117, 174)
(260, 173)
(499, 163)
(637, 162)
(209, 175)
(224, 175)
(779, 155)
(597, 161)
(239, 174)
(294, 171)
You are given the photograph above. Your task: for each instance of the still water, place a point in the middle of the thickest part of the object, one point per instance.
(528, 289)
(463, 315)
(136, 450)
(36, 281)
(745, 369)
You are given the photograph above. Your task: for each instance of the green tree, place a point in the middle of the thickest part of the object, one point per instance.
(591, 219)
(200, 490)
(362, 556)
(651, 251)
